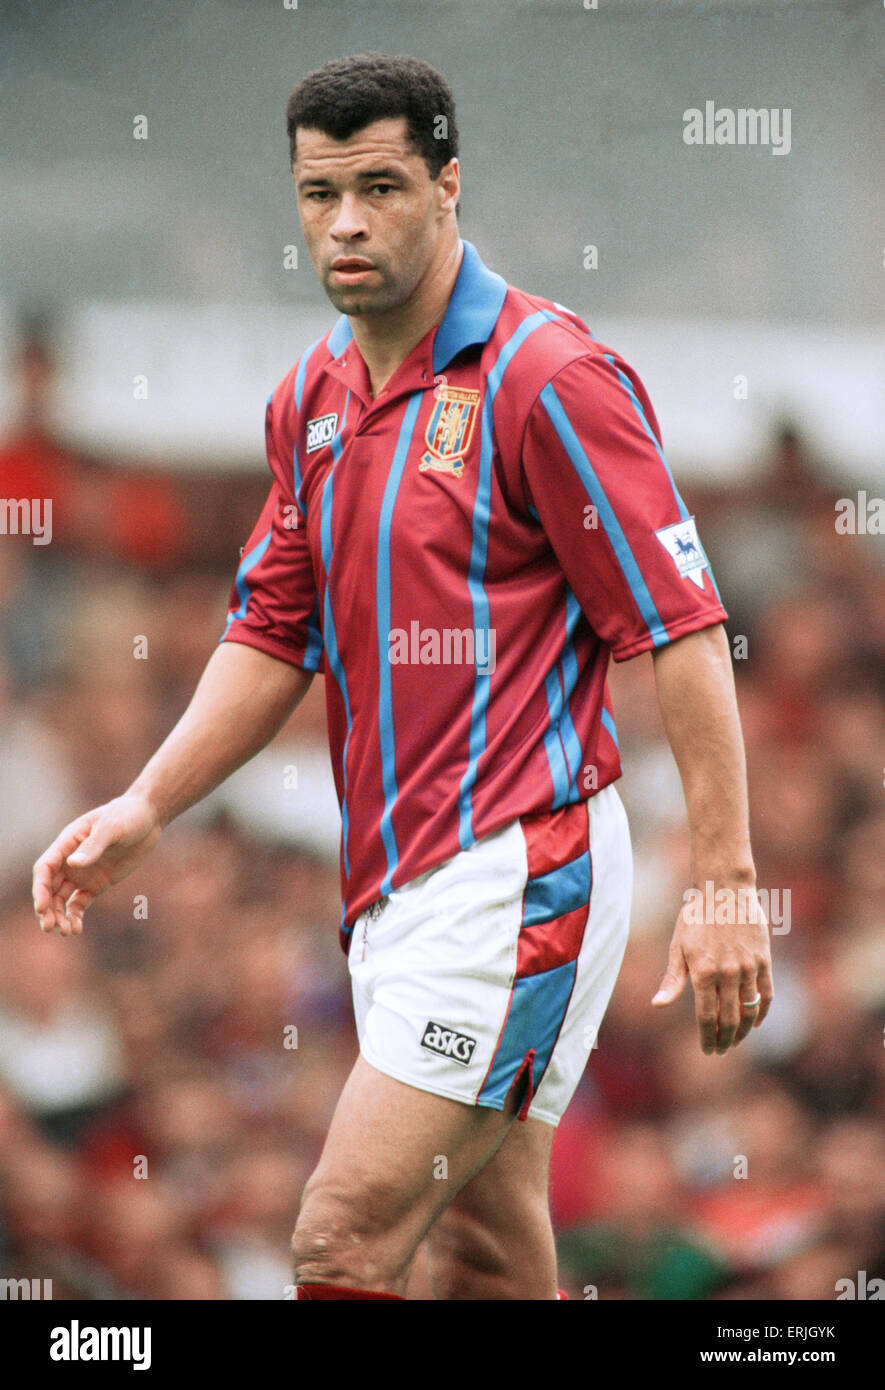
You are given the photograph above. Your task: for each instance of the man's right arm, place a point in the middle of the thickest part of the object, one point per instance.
(242, 700)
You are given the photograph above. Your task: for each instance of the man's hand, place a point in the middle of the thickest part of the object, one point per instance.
(243, 699)
(728, 962)
(88, 856)
(721, 937)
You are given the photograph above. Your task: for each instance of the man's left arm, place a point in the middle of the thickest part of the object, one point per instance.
(725, 953)
(593, 472)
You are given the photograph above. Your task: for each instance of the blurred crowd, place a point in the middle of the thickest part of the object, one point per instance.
(167, 1079)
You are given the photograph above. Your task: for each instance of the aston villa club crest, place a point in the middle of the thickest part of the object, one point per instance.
(449, 430)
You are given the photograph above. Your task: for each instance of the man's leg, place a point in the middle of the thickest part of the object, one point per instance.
(394, 1158)
(495, 1240)
(470, 980)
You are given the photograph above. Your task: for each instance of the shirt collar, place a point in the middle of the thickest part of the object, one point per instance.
(474, 305)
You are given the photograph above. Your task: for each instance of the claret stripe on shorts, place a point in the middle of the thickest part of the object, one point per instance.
(556, 905)
(461, 560)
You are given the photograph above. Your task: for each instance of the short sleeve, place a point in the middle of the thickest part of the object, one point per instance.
(594, 475)
(273, 601)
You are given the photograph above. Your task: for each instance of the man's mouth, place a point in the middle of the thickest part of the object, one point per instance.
(352, 268)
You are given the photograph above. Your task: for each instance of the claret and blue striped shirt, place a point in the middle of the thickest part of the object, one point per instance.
(460, 556)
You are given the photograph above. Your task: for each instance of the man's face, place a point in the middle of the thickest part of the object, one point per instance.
(368, 204)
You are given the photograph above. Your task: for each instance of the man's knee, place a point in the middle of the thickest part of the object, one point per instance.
(348, 1235)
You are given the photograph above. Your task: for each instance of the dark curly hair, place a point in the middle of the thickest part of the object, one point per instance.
(346, 94)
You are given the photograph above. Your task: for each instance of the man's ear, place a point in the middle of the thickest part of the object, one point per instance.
(449, 179)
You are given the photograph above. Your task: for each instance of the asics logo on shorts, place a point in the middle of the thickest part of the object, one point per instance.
(448, 1043)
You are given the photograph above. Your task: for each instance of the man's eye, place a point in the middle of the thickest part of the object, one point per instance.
(319, 194)
(382, 187)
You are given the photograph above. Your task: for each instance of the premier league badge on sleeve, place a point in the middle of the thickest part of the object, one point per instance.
(683, 545)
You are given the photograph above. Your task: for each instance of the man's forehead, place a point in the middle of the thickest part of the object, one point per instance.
(386, 139)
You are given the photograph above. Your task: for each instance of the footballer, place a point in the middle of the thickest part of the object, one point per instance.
(469, 514)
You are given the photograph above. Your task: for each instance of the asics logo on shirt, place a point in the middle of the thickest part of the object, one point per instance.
(321, 431)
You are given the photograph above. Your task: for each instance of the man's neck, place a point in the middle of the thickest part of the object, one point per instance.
(385, 340)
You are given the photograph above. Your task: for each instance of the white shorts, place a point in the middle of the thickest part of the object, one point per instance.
(490, 974)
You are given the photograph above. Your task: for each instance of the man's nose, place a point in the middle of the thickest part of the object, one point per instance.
(350, 221)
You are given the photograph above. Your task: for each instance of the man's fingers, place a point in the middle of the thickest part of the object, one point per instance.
(63, 908)
(49, 868)
(765, 987)
(75, 907)
(729, 1014)
(748, 1019)
(68, 905)
(749, 1007)
(94, 845)
(673, 983)
(48, 874)
(47, 883)
(42, 887)
(706, 1011)
(736, 983)
(757, 994)
(67, 841)
(58, 901)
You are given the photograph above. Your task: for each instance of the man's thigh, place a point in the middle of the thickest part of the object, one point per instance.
(490, 975)
(394, 1157)
(495, 1239)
